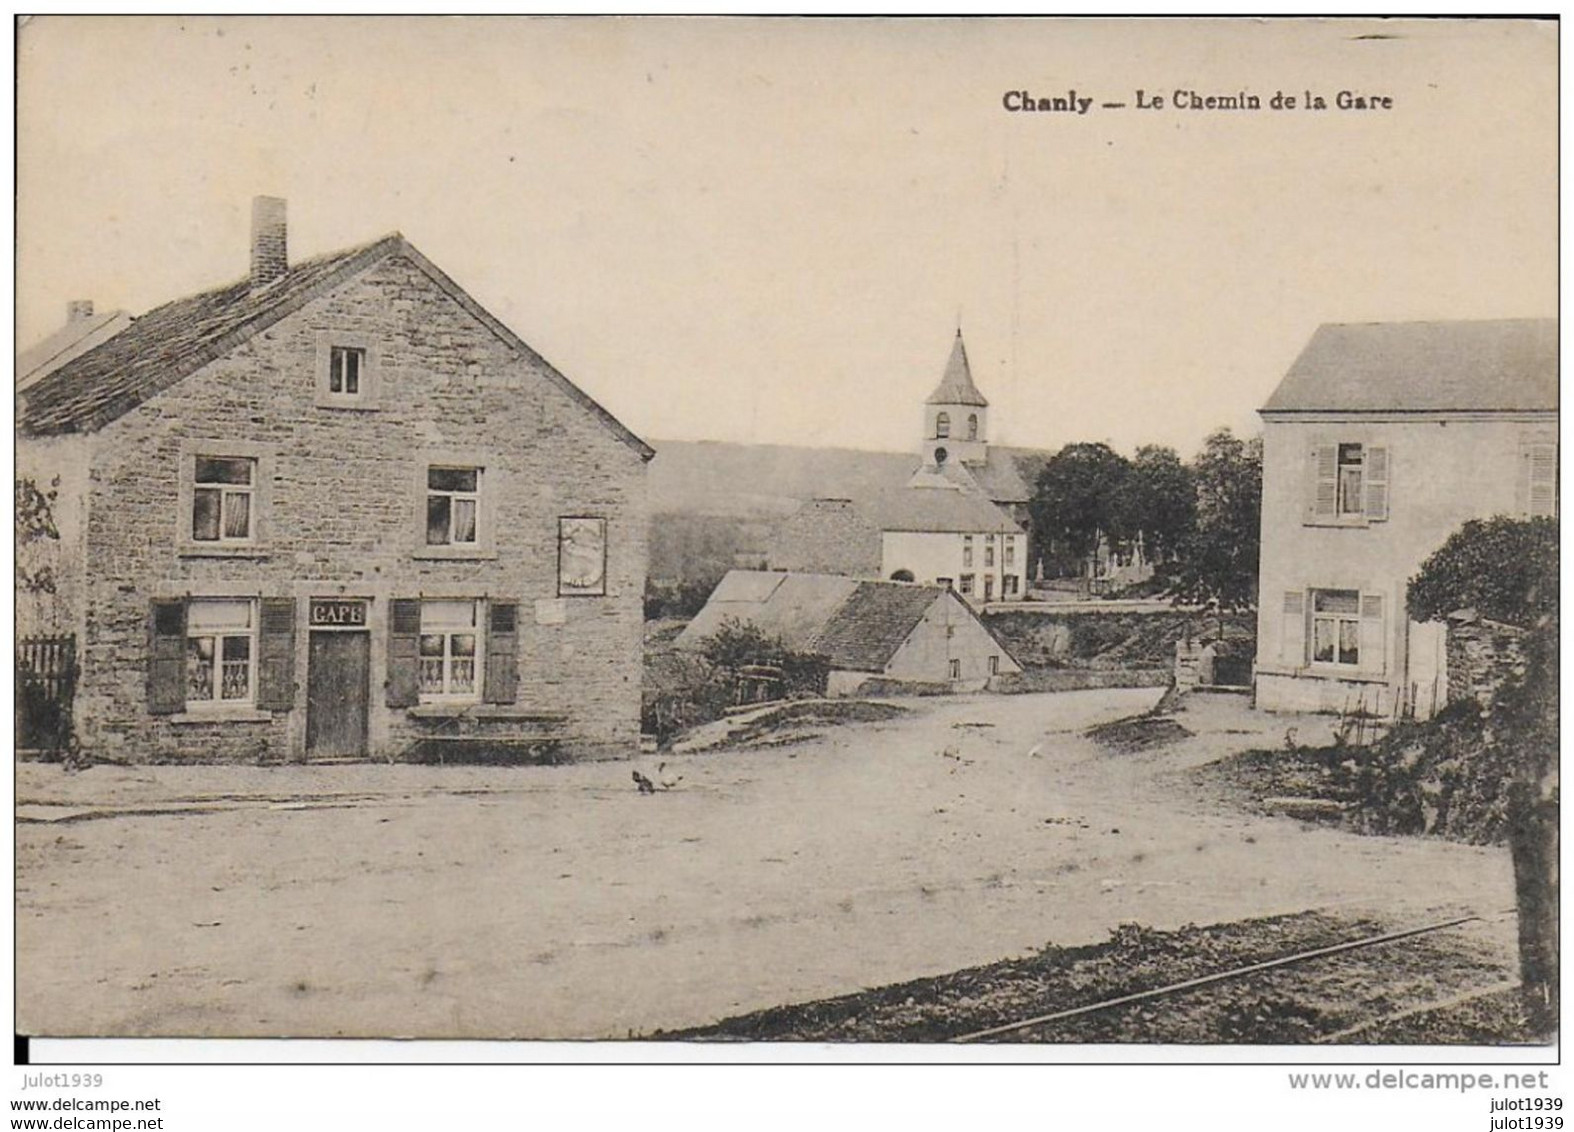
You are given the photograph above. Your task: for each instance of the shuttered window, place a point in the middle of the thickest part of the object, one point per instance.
(1378, 473)
(167, 657)
(276, 654)
(502, 653)
(1322, 479)
(1292, 629)
(1348, 484)
(1373, 636)
(1539, 479)
(404, 657)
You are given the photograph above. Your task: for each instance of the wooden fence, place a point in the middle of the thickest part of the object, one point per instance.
(46, 677)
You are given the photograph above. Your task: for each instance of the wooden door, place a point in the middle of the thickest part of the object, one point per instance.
(337, 696)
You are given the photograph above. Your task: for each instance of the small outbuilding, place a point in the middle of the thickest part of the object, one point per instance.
(909, 633)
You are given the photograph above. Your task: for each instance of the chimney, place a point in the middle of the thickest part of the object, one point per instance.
(79, 310)
(269, 257)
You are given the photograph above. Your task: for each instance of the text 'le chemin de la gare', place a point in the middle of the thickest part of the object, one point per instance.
(1071, 102)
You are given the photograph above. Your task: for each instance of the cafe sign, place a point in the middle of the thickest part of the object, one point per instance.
(338, 613)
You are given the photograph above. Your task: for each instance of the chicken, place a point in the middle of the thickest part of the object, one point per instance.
(645, 785)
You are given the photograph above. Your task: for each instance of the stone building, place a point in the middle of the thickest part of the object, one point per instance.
(1380, 442)
(337, 509)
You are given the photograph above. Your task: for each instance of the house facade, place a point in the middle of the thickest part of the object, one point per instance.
(333, 510)
(1380, 442)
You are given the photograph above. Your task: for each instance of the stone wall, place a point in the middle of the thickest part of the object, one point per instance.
(341, 512)
(1482, 656)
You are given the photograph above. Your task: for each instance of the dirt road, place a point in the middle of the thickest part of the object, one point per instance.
(559, 902)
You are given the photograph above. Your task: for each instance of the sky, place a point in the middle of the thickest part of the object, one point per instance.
(769, 230)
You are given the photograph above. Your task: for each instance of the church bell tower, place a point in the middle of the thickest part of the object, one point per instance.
(956, 415)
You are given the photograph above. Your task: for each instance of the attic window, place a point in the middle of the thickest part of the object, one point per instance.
(347, 371)
(345, 366)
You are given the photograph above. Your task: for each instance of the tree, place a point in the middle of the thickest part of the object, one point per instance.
(1218, 559)
(1078, 497)
(35, 524)
(1505, 569)
(1159, 501)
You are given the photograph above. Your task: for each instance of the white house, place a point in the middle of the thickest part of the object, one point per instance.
(1382, 439)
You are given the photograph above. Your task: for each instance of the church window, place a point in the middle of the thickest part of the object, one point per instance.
(942, 425)
(972, 426)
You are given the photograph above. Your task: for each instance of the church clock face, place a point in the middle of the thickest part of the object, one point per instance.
(582, 556)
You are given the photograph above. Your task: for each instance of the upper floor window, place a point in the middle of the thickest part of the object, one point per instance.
(1352, 461)
(345, 366)
(942, 425)
(967, 550)
(453, 497)
(221, 499)
(989, 552)
(1011, 551)
(1347, 484)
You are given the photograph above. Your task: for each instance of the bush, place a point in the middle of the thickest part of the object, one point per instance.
(682, 690)
(1505, 569)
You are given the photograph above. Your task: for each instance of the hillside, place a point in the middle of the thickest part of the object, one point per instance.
(713, 505)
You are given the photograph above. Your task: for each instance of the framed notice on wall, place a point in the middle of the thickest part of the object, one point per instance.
(581, 557)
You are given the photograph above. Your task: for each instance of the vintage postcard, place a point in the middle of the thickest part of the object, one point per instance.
(1031, 532)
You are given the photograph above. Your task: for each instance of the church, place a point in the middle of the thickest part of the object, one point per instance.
(960, 520)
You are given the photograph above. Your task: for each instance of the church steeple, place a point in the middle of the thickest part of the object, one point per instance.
(956, 414)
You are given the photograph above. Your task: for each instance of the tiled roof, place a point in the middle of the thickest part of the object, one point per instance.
(171, 342)
(74, 338)
(174, 341)
(794, 607)
(946, 508)
(871, 625)
(857, 626)
(956, 387)
(1481, 366)
(1001, 478)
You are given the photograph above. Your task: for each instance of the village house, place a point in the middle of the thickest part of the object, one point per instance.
(337, 509)
(863, 629)
(959, 521)
(83, 330)
(1380, 442)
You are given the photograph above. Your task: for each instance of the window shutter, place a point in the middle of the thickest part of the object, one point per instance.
(1292, 631)
(167, 657)
(404, 652)
(502, 654)
(1542, 479)
(1377, 474)
(1322, 480)
(276, 654)
(1372, 635)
